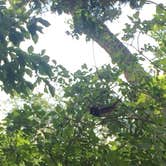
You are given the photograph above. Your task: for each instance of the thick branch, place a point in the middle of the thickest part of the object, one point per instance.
(118, 52)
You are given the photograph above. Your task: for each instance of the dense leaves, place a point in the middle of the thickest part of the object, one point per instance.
(18, 25)
(44, 131)
(65, 133)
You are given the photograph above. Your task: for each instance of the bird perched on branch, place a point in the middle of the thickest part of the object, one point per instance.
(103, 111)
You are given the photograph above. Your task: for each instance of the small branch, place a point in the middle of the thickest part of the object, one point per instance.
(151, 2)
(151, 62)
(139, 118)
(138, 47)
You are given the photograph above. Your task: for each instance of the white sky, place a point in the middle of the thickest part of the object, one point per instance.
(73, 53)
(64, 49)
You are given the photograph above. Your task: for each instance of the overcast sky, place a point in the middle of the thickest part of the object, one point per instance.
(73, 53)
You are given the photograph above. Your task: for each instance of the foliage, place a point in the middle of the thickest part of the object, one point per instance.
(17, 25)
(155, 28)
(20, 21)
(63, 132)
(41, 133)
(86, 14)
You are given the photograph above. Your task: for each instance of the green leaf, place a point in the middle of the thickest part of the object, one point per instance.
(43, 22)
(30, 49)
(35, 38)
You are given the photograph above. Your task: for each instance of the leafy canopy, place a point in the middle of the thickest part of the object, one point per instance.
(38, 131)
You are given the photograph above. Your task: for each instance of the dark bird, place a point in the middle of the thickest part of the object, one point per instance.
(101, 111)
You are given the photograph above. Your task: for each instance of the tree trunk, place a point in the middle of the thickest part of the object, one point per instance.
(118, 52)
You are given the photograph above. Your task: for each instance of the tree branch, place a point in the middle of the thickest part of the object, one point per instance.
(118, 52)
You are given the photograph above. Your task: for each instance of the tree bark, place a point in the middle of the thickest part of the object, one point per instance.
(118, 52)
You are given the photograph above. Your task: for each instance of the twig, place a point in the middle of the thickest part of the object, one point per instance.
(138, 47)
(148, 2)
(143, 56)
(93, 53)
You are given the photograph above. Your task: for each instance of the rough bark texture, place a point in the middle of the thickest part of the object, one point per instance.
(118, 52)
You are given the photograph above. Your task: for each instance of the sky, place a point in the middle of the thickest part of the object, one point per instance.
(72, 53)
(69, 52)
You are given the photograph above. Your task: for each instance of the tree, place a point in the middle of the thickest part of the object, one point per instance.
(64, 132)
(89, 18)
(18, 25)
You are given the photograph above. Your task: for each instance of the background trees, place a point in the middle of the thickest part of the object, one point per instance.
(63, 132)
